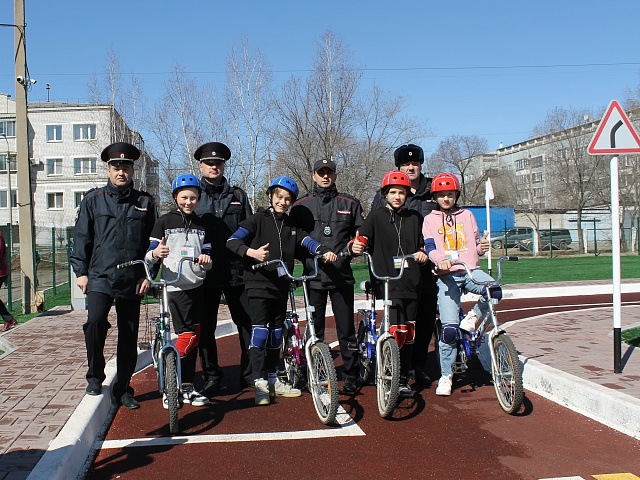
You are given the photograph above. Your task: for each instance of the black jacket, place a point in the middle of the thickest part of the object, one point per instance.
(393, 234)
(342, 214)
(112, 227)
(284, 238)
(231, 205)
(421, 201)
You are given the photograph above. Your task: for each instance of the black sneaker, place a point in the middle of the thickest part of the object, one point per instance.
(210, 386)
(404, 391)
(421, 378)
(349, 385)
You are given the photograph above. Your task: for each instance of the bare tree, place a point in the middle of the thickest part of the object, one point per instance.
(248, 100)
(578, 180)
(462, 155)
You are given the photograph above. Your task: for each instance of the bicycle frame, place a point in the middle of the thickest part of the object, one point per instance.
(386, 323)
(372, 334)
(163, 329)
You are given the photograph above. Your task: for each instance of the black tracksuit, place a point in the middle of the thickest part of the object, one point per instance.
(392, 234)
(222, 208)
(267, 290)
(422, 202)
(332, 218)
(112, 227)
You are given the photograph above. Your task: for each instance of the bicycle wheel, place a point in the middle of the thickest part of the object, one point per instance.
(507, 374)
(364, 361)
(171, 388)
(291, 351)
(324, 386)
(388, 379)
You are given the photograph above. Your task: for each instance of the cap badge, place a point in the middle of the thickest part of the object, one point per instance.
(410, 153)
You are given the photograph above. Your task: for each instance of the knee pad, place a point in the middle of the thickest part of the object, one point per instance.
(259, 337)
(494, 291)
(450, 333)
(411, 332)
(274, 341)
(399, 332)
(186, 342)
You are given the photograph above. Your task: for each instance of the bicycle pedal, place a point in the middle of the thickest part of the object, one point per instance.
(144, 346)
(352, 346)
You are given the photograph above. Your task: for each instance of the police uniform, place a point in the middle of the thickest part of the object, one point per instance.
(332, 218)
(422, 202)
(222, 208)
(113, 226)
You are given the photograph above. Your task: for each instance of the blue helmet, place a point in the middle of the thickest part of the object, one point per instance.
(287, 183)
(185, 180)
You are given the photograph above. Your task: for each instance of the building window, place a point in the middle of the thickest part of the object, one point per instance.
(77, 198)
(3, 198)
(522, 163)
(536, 177)
(54, 133)
(3, 162)
(84, 131)
(7, 128)
(538, 192)
(84, 165)
(55, 201)
(54, 166)
(536, 162)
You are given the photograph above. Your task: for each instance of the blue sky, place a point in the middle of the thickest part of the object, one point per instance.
(487, 68)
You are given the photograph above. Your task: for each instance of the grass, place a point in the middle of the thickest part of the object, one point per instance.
(631, 337)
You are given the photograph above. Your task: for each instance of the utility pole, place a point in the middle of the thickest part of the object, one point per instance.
(25, 204)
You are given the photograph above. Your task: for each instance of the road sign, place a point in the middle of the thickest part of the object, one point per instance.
(615, 134)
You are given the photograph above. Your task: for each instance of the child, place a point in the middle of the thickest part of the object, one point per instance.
(178, 234)
(265, 235)
(451, 234)
(393, 231)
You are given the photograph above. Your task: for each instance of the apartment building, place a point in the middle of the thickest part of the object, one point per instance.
(65, 142)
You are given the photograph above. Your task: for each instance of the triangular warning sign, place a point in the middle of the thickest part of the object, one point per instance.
(615, 133)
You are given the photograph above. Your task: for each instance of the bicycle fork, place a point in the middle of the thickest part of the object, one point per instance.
(164, 331)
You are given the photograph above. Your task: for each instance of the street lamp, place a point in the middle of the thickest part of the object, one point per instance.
(48, 88)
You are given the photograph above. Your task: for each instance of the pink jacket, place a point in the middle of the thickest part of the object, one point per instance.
(457, 232)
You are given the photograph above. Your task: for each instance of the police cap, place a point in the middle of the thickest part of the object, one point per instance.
(212, 151)
(121, 152)
(324, 164)
(408, 153)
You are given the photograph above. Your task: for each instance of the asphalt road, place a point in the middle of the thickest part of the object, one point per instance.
(464, 436)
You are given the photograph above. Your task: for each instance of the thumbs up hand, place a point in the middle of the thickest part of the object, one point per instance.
(485, 243)
(260, 254)
(162, 250)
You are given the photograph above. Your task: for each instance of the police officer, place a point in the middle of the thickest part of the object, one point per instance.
(112, 227)
(409, 159)
(332, 219)
(222, 207)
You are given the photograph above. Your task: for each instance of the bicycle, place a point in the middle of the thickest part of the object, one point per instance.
(506, 369)
(316, 356)
(166, 359)
(376, 346)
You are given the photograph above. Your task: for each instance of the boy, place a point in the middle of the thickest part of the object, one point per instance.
(178, 234)
(451, 234)
(265, 235)
(393, 231)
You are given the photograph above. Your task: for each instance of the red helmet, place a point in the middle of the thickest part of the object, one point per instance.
(395, 177)
(444, 182)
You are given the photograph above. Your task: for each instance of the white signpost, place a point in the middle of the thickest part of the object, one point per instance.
(615, 135)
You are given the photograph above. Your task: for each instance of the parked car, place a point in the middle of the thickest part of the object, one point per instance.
(559, 238)
(512, 237)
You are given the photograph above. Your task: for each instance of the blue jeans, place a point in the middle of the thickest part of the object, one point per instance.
(450, 289)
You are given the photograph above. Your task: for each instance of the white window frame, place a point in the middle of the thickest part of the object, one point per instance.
(54, 128)
(77, 201)
(84, 132)
(56, 161)
(56, 195)
(12, 163)
(3, 199)
(8, 128)
(79, 163)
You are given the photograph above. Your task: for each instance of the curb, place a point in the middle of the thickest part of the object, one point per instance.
(604, 405)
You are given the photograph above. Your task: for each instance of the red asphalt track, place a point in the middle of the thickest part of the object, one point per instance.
(465, 436)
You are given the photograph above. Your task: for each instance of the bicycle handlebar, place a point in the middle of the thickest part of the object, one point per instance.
(498, 278)
(389, 278)
(148, 272)
(302, 278)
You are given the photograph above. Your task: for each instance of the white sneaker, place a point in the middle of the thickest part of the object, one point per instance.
(190, 395)
(282, 389)
(262, 392)
(469, 321)
(444, 385)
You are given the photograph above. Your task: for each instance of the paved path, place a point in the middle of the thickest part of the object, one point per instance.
(42, 380)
